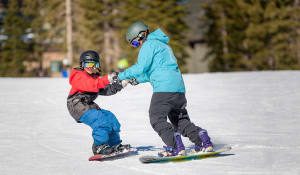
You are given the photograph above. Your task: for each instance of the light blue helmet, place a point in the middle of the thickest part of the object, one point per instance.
(135, 29)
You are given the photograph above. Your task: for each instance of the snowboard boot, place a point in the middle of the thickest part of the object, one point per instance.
(180, 148)
(102, 149)
(170, 151)
(206, 145)
(120, 147)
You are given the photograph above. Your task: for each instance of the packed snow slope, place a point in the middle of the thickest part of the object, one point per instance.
(257, 113)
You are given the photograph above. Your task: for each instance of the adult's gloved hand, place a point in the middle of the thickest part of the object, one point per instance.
(124, 83)
(133, 82)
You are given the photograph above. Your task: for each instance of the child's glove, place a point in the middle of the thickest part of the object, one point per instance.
(113, 77)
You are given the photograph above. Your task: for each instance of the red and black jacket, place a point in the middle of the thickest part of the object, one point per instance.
(85, 89)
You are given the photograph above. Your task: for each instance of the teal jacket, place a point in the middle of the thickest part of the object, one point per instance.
(156, 64)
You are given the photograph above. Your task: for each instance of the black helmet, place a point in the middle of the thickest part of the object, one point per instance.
(89, 56)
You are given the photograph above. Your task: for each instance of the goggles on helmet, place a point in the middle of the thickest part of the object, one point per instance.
(136, 41)
(91, 64)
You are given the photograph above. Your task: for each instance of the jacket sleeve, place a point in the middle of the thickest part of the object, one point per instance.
(84, 82)
(110, 89)
(143, 78)
(143, 64)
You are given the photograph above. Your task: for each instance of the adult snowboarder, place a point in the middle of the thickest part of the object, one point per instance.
(157, 64)
(87, 84)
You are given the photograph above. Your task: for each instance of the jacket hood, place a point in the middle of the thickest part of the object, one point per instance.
(158, 34)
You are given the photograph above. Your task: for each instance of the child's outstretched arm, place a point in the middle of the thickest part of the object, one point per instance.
(113, 88)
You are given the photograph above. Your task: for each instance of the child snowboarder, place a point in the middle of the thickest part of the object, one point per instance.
(87, 84)
(157, 64)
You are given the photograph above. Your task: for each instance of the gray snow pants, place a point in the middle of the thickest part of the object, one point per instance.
(172, 105)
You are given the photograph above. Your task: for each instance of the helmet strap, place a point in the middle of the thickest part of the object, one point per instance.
(143, 35)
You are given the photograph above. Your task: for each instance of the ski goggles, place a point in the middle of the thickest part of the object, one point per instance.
(91, 64)
(136, 41)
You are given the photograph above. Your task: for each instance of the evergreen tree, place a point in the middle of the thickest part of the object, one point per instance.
(252, 34)
(36, 20)
(100, 25)
(168, 15)
(14, 50)
(273, 30)
(54, 12)
(98, 28)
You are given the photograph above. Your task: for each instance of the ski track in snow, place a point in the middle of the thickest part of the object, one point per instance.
(257, 113)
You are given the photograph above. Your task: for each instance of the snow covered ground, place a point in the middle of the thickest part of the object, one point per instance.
(257, 113)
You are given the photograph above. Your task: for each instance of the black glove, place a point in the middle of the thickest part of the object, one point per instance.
(117, 85)
(111, 89)
(133, 82)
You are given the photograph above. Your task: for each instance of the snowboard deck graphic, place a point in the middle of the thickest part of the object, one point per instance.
(189, 156)
(115, 155)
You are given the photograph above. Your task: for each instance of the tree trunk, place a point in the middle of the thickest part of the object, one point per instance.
(69, 32)
(111, 46)
(297, 39)
(107, 49)
(116, 47)
(224, 35)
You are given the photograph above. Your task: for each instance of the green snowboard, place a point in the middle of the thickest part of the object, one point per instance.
(189, 156)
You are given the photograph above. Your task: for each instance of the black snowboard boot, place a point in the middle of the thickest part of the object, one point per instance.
(102, 149)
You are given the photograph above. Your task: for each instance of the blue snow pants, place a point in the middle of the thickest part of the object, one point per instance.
(105, 126)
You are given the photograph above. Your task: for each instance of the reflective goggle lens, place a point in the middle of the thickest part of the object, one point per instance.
(135, 43)
(91, 64)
